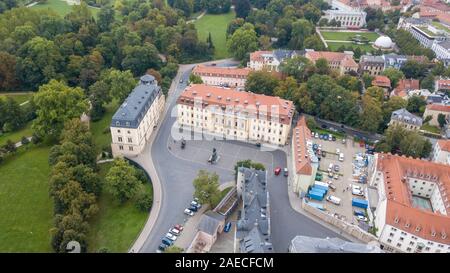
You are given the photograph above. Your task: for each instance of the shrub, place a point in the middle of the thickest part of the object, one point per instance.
(144, 201)
(25, 140)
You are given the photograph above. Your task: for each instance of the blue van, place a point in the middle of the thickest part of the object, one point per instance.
(227, 227)
(167, 242)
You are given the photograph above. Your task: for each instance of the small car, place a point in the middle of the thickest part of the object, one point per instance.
(336, 168)
(181, 80)
(285, 172)
(277, 170)
(331, 186)
(227, 227)
(361, 218)
(175, 231)
(167, 242)
(258, 144)
(179, 227)
(171, 237)
(162, 247)
(343, 141)
(193, 208)
(189, 212)
(316, 135)
(338, 151)
(336, 176)
(330, 137)
(196, 204)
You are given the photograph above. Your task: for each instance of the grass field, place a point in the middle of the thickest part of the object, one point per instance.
(26, 210)
(20, 97)
(115, 226)
(431, 128)
(16, 136)
(60, 7)
(217, 25)
(333, 46)
(98, 128)
(346, 36)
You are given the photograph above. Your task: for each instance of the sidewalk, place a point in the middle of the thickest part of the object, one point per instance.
(190, 228)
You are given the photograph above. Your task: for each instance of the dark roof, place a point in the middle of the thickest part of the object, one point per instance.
(133, 109)
(305, 244)
(403, 115)
(253, 229)
(210, 222)
(281, 54)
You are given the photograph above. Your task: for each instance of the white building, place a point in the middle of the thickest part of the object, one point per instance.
(349, 19)
(413, 210)
(222, 76)
(134, 121)
(441, 152)
(232, 114)
(304, 160)
(270, 60)
(442, 50)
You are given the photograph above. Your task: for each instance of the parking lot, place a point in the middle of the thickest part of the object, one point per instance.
(344, 181)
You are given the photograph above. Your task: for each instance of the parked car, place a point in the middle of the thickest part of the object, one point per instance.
(189, 212)
(196, 204)
(358, 212)
(357, 192)
(181, 80)
(330, 167)
(316, 135)
(324, 153)
(315, 146)
(277, 170)
(336, 168)
(343, 141)
(333, 199)
(361, 218)
(175, 231)
(258, 144)
(179, 227)
(162, 247)
(227, 227)
(324, 126)
(331, 186)
(338, 151)
(167, 242)
(285, 172)
(341, 157)
(336, 176)
(193, 208)
(330, 137)
(170, 236)
(333, 138)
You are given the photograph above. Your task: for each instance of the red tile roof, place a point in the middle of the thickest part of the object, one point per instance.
(344, 59)
(257, 56)
(215, 71)
(240, 100)
(405, 85)
(444, 145)
(300, 136)
(400, 212)
(443, 84)
(438, 107)
(381, 81)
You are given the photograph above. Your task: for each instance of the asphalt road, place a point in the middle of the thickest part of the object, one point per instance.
(176, 175)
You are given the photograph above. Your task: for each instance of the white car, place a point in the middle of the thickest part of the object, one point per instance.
(316, 135)
(175, 231)
(338, 151)
(361, 218)
(171, 237)
(196, 204)
(189, 212)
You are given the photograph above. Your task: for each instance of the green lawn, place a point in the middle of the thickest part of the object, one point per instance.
(20, 97)
(430, 128)
(60, 7)
(346, 36)
(17, 135)
(100, 129)
(334, 46)
(26, 210)
(115, 227)
(217, 25)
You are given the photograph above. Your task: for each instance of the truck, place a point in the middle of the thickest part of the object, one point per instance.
(315, 195)
(316, 205)
(323, 191)
(360, 203)
(321, 185)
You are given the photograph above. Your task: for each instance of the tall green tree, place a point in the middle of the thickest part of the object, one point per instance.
(261, 82)
(121, 181)
(243, 41)
(206, 187)
(120, 83)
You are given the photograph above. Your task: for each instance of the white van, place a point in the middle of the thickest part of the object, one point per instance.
(333, 199)
(341, 157)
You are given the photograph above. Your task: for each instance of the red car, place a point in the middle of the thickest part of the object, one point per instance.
(179, 227)
(277, 170)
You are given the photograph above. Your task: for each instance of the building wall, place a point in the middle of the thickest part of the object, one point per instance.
(131, 141)
(434, 114)
(441, 52)
(301, 182)
(373, 69)
(441, 156)
(405, 125)
(269, 65)
(347, 19)
(214, 121)
(238, 81)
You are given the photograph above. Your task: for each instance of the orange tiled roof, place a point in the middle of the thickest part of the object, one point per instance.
(251, 102)
(257, 56)
(444, 18)
(443, 84)
(381, 81)
(404, 85)
(444, 144)
(215, 71)
(301, 135)
(399, 212)
(344, 59)
(438, 107)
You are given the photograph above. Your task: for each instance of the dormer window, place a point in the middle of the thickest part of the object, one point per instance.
(117, 123)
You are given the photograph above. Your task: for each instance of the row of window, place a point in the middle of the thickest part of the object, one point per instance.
(130, 148)
(120, 139)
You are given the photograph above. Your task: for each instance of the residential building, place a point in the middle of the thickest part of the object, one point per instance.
(382, 81)
(270, 60)
(373, 65)
(306, 244)
(342, 62)
(405, 119)
(222, 76)
(253, 231)
(405, 86)
(233, 114)
(210, 226)
(305, 162)
(413, 210)
(442, 84)
(348, 19)
(135, 120)
(441, 152)
(394, 60)
(434, 110)
(442, 50)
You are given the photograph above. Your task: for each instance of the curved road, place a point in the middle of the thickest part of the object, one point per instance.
(176, 176)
